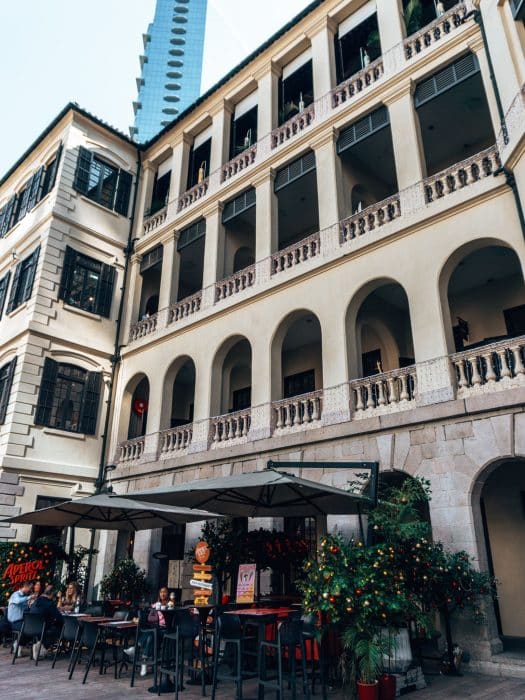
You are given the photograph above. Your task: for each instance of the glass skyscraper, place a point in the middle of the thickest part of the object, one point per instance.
(171, 65)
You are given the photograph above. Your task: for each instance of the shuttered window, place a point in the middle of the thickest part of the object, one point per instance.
(86, 283)
(38, 185)
(4, 284)
(192, 233)
(445, 79)
(362, 129)
(240, 204)
(23, 280)
(69, 398)
(101, 182)
(294, 170)
(6, 381)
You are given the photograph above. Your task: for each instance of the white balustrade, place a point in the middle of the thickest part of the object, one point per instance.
(175, 439)
(230, 426)
(293, 126)
(193, 194)
(235, 283)
(296, 253)
(369, 219)
(384, 393)
(462, 174)
(490, 367)
(142, 328)
(358, 82)
(185, 307)
(131, 450)
(436, 30)
(239, 163)
(302, 410)
(155, 220)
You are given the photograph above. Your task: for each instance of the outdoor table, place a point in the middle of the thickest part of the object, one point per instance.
(114, 629)
(204, 612)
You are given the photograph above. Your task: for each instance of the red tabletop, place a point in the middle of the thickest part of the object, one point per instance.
(261, 612)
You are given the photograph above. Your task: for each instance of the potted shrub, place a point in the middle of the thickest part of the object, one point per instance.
(126, 582)
(366, 648)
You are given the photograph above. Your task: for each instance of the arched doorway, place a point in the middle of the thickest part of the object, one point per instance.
(179, 393)
(232, 377)
(138, 417)
(499, 498)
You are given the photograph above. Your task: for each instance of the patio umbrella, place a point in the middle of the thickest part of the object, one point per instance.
(105, 512)
(264, 494)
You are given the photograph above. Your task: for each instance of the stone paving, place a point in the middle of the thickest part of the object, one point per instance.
(24, 681)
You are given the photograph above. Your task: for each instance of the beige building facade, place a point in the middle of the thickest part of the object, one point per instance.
(327, 266)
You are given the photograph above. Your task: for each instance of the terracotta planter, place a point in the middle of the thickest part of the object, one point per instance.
(368, 691)
(387, 687)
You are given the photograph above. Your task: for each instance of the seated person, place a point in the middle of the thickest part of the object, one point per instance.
(17, 606)
(145, 639)
(37, 590)
(46, 606)
(68, 600)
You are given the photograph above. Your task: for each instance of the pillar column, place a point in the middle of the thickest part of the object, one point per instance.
(145, 192)
(266, 216)
(336, 397)
(260, 427)
(220, 135)
(390, 23)
(323, 56)
(214, 246)
(267, 80)
(329, 179)
(179, 168)
(477, 47)
(133, 294)
(169, 280)
(406, 139)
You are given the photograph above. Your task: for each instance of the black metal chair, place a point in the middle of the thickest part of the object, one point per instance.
(146, 638)
(69, 636)
(34, 628)
(311, 636)
(91, 640)
(122, 614)
(230, 631)
(173, 651)
(94, 610)
(289, 639)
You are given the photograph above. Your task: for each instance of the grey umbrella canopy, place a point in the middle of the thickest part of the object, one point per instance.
(105, 512)
(263, 493)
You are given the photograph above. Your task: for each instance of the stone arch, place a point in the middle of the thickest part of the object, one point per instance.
(134, 424)
(182, 371)
(233, 355)
(388, 317)
(463, 297)
(313, 342)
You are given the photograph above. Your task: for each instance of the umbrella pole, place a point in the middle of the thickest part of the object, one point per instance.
(71, 553)
(89, 562)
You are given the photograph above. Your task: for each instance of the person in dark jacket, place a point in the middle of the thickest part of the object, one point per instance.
(46, 606)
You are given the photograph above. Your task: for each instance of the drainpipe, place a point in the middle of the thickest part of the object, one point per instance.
(509, 175)
(115, 360)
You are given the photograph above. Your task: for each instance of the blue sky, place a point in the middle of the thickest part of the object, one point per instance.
(86, 51)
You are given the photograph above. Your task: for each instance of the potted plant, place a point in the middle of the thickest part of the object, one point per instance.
(366, 648)
(126, 582)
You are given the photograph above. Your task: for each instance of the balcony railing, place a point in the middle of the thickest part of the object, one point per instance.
(193, 194)
(131, 450)
(155, 220)
(184, 308)
(239, 163)
(436, 30)
(490, 367)
(298, 411)
(358, 82)
(296, 253)
(144, 327)
(230, 426)
(176, 439)
(293, 126)
(369, 219)
(388, 392)
(235, 283)
(462, 174)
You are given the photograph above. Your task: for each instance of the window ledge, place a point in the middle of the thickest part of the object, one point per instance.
(81, 312)
(18, 309)
(100, 206)
(64, 433)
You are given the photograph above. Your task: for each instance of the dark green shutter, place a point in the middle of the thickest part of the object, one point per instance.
(70, 258)
(123, 193)
(105, 290)
(81, 182)
(4, 284)
(54, 169)
(30, 276)
(90, 401)
(46, 393)
(34, 188)
(12, 303)
(8, 216)
(23, 199)
(5, 390)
